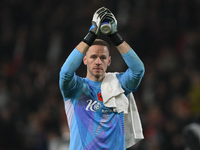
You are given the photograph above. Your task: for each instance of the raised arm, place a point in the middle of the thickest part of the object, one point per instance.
(123, 48)
(132, 77)
(67, 78)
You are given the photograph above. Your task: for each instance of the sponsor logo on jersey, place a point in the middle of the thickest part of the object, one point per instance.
(96, 106)
(93, 105)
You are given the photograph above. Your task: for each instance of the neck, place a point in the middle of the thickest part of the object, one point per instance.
(96, 78)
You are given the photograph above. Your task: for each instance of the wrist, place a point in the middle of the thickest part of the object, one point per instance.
(116, 38)
(89, 38)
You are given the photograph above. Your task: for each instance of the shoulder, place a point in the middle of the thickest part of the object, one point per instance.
(122, 80)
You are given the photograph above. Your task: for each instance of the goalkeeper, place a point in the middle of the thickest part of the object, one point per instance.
(93, 126)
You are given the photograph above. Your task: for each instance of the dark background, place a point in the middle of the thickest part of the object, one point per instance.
(36, 36)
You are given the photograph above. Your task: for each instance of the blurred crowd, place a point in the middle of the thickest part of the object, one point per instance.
(36, 36)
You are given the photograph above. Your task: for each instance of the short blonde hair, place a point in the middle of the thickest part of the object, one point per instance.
(101, 42)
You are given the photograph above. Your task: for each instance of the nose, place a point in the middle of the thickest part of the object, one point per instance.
(98, 61)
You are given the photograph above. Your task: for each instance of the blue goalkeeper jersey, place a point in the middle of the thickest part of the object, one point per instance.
(92, 125)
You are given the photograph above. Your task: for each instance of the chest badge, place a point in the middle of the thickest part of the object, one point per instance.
(100, 97)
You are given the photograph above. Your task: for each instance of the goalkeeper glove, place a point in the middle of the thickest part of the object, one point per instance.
(97, 19)
(114, 35)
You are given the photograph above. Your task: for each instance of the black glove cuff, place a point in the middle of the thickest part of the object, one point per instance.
(116, 39)
(89, 38)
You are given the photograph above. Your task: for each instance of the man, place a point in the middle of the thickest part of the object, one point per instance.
(93, 126)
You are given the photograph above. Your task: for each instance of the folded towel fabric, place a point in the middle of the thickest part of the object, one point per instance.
(113, 94)
(113, 97)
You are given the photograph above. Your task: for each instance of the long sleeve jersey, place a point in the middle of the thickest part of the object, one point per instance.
(92, 125)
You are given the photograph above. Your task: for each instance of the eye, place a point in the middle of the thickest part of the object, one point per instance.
(103, 57)
(93, 56)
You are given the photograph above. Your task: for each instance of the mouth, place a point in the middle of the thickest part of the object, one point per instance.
(97, 69)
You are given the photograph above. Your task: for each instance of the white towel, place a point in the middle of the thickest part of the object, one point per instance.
(113, 97)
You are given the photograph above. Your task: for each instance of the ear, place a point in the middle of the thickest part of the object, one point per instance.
(84, 60)
(109, 61)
